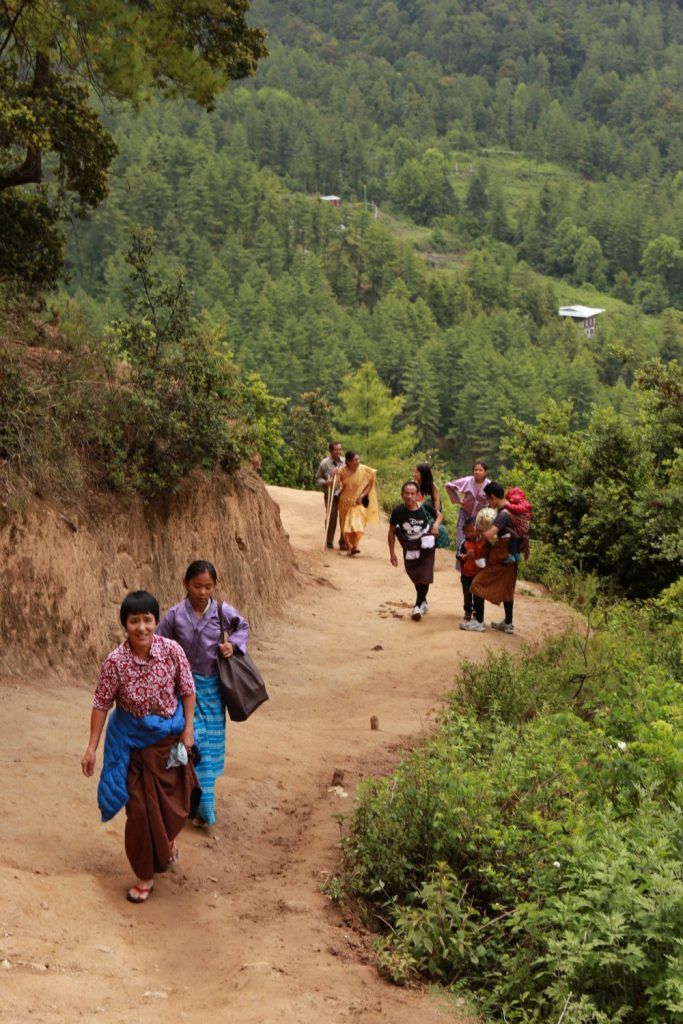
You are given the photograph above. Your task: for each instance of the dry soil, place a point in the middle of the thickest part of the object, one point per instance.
(241, 932)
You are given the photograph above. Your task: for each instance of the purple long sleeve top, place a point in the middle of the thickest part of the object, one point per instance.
(199, 637)
(468, 493)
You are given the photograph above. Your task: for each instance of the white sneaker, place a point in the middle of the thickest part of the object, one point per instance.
(424, 607)
(473, 626)
(416, 613)
(503, 626)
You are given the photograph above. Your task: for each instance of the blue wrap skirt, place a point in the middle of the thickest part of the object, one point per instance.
(209, 729)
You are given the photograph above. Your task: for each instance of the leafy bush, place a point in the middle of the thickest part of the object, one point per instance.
(609, 499)
(532, 851)
(32, 251)
(138, 410)
(308, 431)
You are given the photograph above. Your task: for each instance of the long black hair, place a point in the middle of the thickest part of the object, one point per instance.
(426, 487)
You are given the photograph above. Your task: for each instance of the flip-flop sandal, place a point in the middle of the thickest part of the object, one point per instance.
(175, 855)
(139, 893)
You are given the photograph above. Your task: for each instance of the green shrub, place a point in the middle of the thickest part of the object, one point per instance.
(531, 852)
(614, 931)
(32, 251)
(137, 410)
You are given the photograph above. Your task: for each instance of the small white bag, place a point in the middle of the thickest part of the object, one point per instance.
(428, 540)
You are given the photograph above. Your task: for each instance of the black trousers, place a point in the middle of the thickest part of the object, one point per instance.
(478, 603)
(467, 597)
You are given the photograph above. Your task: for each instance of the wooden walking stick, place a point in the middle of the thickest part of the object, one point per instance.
(328, 513)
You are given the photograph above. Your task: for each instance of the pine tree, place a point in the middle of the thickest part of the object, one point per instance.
(421, 398)
(499, 226)
(367, 415)
(477, 201)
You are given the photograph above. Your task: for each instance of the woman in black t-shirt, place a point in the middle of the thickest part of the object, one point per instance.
(415, 526)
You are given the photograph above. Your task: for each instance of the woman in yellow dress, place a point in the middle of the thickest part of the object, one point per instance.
(357, 500)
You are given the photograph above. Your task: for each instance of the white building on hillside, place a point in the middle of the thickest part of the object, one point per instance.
(584, 316)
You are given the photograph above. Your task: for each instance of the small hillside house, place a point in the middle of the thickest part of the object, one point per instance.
(584, 316)
(333, 200)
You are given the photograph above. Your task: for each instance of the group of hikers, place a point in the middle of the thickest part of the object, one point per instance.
(165, 739)
(492, 530)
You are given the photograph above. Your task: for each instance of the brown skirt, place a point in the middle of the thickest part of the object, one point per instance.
(159, 803)
(421, 570)
(495, 583)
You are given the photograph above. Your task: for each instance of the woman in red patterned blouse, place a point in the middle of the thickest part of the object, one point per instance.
(149, 679)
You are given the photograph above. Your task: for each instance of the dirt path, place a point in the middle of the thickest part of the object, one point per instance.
(241, 932)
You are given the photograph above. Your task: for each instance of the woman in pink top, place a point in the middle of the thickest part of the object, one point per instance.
(468, 492)
(149, 746)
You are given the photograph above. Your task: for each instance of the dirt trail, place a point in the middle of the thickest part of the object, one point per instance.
(241, 931)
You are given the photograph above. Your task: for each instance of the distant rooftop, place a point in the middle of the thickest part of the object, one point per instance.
(330, 199)
(579, 312)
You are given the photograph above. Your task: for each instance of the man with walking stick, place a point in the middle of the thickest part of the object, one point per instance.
(326, 479)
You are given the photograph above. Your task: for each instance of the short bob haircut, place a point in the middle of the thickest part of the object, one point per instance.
(138, 602)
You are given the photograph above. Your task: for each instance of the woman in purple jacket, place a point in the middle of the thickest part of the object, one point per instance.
(195, 624)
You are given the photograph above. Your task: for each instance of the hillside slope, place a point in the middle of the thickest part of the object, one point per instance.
(66, 572)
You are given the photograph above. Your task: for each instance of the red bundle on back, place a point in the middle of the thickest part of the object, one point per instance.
(518, 503)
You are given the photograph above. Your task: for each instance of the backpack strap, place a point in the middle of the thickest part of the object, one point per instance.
(221, 620)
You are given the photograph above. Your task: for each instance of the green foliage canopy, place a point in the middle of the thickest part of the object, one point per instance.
(52, 55)
(609, 498)
(138, 410)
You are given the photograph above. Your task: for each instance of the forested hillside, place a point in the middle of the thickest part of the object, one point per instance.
(456, 240)
(592, 85)
(493, 162)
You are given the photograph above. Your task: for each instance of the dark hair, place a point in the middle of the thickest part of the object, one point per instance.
(479, 462)
(409, 483)
(426, 479)
(494, 490)
(197, 568)
(350, 455)
(138, 602)
(469, 521)
(332, 444)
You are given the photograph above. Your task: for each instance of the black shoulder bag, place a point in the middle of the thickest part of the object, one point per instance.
(242, 687)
